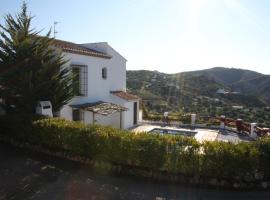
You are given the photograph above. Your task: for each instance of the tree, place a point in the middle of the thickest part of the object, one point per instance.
(31, 69)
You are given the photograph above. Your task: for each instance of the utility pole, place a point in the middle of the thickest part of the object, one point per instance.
(54, 29)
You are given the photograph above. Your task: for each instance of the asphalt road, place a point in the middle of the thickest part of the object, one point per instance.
(28, 175)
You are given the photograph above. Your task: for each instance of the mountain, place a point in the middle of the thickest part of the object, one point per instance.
(239, 80)
(198, 88)
(259, 86)
(227, 76)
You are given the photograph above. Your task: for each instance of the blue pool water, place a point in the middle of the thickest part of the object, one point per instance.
(173, 132)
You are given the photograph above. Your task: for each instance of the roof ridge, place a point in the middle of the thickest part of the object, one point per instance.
(72, 47)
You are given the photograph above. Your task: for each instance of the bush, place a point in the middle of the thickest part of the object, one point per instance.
(18, 126)
(229, 161)
(166, 153)
(263, 146)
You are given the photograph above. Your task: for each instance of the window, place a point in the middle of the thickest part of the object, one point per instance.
(77, 115)
(80, 80)
(104, 73)
(76, 81)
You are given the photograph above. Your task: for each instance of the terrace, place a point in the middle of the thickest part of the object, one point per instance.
(230, 130)
(200, 134)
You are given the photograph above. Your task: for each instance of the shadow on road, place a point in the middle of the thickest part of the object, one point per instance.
(29, 175)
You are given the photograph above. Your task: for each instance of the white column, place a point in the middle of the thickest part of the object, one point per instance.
(222, 124)
(252, 130)
(140, 116)
(193, 119)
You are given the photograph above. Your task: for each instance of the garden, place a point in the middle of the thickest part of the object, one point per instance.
(158, 157)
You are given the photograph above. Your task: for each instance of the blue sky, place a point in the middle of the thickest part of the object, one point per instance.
(168, 36)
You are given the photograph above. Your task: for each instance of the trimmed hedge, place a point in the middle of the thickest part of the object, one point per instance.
(248, 162)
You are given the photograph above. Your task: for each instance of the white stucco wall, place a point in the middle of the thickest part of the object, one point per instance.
(128, 115)
(88, 117)
(66, 112)
(99, 89)
(117, 71)
(110, 120)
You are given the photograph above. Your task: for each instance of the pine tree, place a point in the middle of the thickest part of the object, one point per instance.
(31, 69)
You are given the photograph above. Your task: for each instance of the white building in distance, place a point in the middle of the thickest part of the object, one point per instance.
(222, 91)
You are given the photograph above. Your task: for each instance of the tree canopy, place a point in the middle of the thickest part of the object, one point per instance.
(31, 69)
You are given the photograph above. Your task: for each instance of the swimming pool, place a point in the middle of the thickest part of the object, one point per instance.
(173, 131)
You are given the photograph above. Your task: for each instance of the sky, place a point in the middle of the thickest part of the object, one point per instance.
(166, 35)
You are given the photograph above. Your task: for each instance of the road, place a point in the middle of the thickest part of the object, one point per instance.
(29, 175)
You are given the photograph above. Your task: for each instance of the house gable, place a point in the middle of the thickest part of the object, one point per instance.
(105, 48)
(70, 47)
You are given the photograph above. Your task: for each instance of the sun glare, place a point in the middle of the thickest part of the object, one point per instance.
(194, 11)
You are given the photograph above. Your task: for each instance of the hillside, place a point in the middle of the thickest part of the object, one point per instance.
(259, 86)
(197, 89)
(243, 81)
(226, 76)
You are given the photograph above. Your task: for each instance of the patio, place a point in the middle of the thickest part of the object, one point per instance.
(201, 135)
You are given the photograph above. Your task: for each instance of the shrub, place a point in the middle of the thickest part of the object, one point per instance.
(263, 146)
(231, 161)
(167, 153)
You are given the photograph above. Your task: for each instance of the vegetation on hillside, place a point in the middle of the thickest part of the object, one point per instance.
(197, 92)
(246, 82)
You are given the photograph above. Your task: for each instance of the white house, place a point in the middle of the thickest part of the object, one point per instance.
(222, 91)
(101, 95)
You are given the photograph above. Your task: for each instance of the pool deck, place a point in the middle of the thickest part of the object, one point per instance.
(202, 134)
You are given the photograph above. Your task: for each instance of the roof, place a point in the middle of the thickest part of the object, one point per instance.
(101, 46)
(100, 107)
(124, 95)
(78, 49)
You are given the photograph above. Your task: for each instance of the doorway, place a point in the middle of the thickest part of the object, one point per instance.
(135, 113)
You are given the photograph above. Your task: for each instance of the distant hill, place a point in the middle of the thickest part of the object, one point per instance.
(188, 89)
(240, 80)
(227, 76)
(259, 86)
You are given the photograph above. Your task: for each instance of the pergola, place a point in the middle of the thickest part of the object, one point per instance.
(102, 108)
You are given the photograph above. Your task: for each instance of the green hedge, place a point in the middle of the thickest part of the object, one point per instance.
(166, 153)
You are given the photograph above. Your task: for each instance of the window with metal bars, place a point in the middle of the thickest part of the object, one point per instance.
(80, 80)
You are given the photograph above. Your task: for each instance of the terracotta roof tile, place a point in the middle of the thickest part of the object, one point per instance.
(125, 95)
(78, 49)
(100, 107)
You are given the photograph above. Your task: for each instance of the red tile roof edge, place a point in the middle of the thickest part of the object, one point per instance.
(78, 49)
(125, 95)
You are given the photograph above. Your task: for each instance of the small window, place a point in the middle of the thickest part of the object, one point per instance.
(104, 73)
(77, 115)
